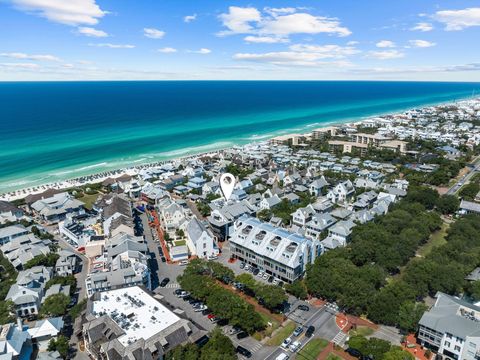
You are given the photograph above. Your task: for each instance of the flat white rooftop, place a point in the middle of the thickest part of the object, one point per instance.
(139, 315)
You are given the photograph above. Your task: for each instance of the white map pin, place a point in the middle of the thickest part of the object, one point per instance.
(227, 183)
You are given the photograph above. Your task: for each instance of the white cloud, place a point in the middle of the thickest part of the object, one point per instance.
(190, 18)
(25, 66)
(386, 54)
(23, 56)
(385, 44)
(167, 50)
(153, 33)
(276, 11)
(238, 19)
(278, 23)
(421, 43)
(352, 43)
(303, 55)
(202, 51)
(326, 51)
(265, 39)
(68, 12)
(88, 31)
(422, 26)
(455, 20)
(113, 46)
(303, 23)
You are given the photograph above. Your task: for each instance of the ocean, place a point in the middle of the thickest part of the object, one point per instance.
(51, 131)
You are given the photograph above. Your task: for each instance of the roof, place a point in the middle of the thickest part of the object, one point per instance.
(454, 316)
(139, 315)
(269, 241)
(48, 327)
(12, 230)
(469, 206)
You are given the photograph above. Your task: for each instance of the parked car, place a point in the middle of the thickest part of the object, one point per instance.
(286, 343)
(298, 331)
(164, 282)
(247, 267)
(354, 352)
(178, 292)
(241, 350)
(255, 271)
(206, 311)
(242, 265)
(183, 263)
(163, 259)
(260, 274)
(234, 330)
(303, 308)
(265, 276)
(295, 346)
(242, 335)
(310, 331)
(270, 279)
(200, 308)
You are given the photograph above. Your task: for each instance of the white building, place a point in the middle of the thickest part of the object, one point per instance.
(276, 251)
(452, 328)
(200, 240)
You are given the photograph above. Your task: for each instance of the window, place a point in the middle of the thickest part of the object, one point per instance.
(204, 245)
(447, 344)
(457, 348)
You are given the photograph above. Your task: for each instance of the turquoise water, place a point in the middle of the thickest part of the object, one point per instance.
(57, 130)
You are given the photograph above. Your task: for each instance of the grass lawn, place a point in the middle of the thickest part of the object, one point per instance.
(332, 356)
(362, 331)
(259, 335)
(89, 200)
(313, 348)
(180, 242)
(282, 334)
(436, 239)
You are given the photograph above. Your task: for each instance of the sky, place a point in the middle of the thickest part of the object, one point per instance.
(226, 39)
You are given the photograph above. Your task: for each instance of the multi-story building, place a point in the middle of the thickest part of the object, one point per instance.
(276, 251)
(452, 328)
(131, 324)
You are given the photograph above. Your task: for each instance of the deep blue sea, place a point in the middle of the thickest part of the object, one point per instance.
(52, 131)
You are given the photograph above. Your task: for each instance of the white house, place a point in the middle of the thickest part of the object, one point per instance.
(200, 240)
(341, 192)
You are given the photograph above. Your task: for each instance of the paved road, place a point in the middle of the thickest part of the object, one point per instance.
(152, 244)
(465, 178)
(323, 319)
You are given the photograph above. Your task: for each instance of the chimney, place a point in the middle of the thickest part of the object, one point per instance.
(19, 323)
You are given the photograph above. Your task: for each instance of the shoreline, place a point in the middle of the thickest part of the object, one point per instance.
(97, 177)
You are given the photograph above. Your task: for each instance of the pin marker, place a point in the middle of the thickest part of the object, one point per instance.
(227, 183)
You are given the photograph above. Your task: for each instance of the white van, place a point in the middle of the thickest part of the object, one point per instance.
(282, 357)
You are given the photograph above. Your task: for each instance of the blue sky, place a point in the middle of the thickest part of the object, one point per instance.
(212, 39)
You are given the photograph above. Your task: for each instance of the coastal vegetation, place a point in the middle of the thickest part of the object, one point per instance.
(219, 346)
(200, 279)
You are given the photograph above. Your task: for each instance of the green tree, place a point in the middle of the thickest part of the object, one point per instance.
(297, 289)
(397, 353)
(55, 305)
(469, 191)
(7, 309)
(60, 344)
(186, 352)
(219, 347)
(409, 315)
(448, 204)
(424, 195)
(48, 260)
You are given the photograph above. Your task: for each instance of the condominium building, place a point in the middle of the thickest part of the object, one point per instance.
(276, 251)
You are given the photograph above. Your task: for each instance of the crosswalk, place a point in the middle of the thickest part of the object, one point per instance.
(172, 286)
(339, 339)
(257, 347)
